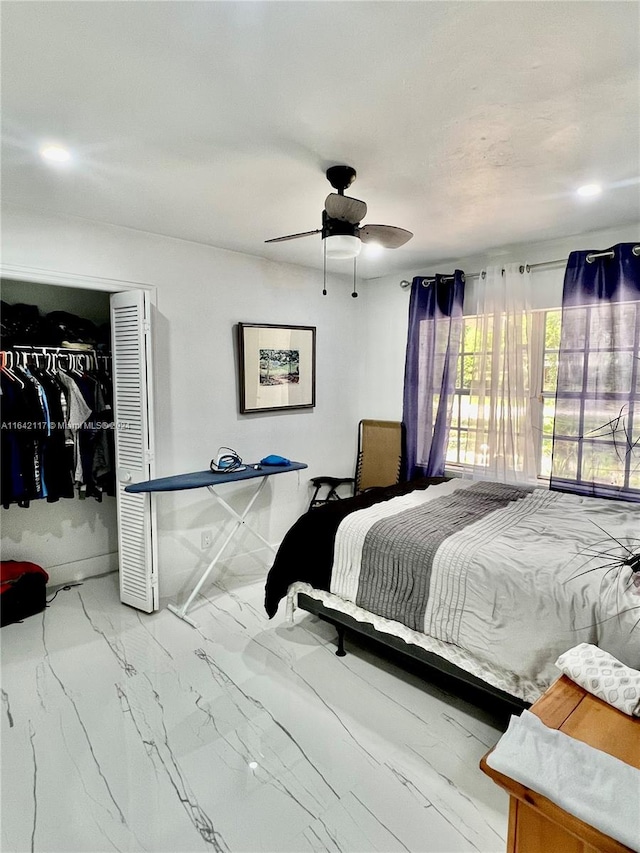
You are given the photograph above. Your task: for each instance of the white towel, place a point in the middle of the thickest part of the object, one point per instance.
(604, 676)
(595, 787)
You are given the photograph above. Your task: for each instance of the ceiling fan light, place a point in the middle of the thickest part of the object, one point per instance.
(374, 250)
(342, 246)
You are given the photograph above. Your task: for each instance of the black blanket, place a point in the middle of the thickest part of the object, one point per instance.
(306, 552)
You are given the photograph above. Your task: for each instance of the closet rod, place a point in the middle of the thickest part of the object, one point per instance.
(591, 257)
(63, 350)
(29, 349)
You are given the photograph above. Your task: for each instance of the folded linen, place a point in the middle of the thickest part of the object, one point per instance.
(604, 676)
(554, 764)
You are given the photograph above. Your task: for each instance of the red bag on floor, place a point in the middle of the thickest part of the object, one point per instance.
(23, 590)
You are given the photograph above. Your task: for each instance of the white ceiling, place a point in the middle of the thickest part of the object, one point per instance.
(469, 123)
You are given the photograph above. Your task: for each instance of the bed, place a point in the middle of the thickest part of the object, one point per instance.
(485, 581)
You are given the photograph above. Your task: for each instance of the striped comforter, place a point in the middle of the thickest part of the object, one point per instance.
(512, 576)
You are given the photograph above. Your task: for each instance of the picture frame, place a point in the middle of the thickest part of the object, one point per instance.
(277, 367)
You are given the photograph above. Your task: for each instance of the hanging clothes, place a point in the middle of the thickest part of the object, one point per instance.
(21, 417)
(56, 457)
(57, 430)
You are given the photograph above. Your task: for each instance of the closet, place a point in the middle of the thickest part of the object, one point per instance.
(77, 433)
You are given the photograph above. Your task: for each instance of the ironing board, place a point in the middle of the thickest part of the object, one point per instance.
(213, 480)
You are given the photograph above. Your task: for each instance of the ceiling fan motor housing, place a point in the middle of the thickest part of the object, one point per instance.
(331, 227)
(341, 177)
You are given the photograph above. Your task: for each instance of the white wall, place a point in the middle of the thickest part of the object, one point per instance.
(71, 539)
(202, 292)
(386, 307)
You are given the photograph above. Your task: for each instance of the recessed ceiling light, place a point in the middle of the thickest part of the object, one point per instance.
(589, 190)
(55, 154)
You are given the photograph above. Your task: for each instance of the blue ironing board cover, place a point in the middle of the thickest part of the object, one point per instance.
(199, 479)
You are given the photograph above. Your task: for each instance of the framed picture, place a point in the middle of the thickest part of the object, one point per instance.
(277, 367)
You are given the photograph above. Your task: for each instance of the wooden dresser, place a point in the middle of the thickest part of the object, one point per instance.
(536, 825)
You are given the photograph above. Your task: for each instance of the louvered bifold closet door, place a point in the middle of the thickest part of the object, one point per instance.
(132, 374)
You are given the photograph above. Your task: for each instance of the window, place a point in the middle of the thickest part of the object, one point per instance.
(462, 435)
(598, 394)
(552, 321)
(475, 355)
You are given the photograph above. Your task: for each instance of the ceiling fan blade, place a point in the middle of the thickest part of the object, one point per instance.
(386, 235)
(345, 208)
(293, 236)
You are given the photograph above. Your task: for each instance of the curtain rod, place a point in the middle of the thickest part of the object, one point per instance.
(591, 257)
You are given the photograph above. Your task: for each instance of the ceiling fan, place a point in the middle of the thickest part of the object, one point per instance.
(341, 230)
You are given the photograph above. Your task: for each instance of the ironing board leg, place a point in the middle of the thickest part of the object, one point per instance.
(181, 612)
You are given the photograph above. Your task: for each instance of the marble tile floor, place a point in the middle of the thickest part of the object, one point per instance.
(130, 732)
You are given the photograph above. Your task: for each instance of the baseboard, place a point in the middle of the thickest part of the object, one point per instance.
(81, 569)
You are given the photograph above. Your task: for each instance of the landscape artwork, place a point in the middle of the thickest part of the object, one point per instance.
(278, 366)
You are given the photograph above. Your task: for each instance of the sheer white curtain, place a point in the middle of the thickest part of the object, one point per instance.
(502, 396)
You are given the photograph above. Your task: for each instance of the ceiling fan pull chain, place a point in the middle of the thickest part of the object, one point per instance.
(355, 292)
(324, 268)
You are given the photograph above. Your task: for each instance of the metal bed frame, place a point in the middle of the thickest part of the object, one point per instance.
(342, 622)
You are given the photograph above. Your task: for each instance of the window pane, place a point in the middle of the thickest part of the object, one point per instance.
(565, 459)
(601, 464)
(548, 415)
(606, 419)
(612, 325)
(545, 463)
(478, 370)
(567, 417)
(552, 325)
(488, 362)
(470, 327)
(570, 372)
(437, 371)
(453, 447)
(634, 474)
(609, 372)
(467, 446)
(455, 412)
(574, 323)
(471, 411)
(550, 375)
(467, 370)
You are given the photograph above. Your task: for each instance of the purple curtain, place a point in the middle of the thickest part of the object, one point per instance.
(596, 432)
(433, 344)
